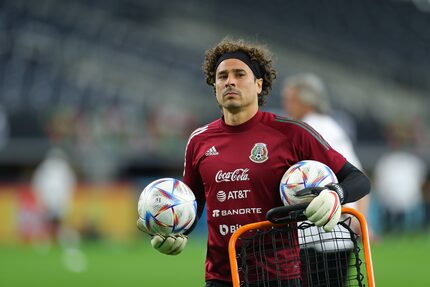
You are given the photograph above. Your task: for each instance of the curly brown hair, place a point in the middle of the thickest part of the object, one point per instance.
(256, 52)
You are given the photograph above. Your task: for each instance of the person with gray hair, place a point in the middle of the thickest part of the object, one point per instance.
(305, 98)
(308, 89)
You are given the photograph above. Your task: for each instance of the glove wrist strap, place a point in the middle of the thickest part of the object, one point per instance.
(338, 189)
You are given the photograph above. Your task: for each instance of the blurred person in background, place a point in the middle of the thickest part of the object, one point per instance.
(426, 198)
(241, 151)
(400, 175)
(4, 127)
(305, 98)
(53, 183)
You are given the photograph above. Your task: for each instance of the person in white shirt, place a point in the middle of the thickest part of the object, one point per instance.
(399, 178)
(305, 98)
(53, 183)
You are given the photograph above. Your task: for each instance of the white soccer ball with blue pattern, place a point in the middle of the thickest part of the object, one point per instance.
(167, 206)
(304, 174)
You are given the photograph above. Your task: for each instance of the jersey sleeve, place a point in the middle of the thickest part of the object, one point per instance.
(192, 178)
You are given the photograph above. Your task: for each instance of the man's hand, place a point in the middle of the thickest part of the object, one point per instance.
(171, 245)
(141, 226)
(325, 209)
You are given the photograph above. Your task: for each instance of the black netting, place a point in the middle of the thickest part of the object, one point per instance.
(301, 255)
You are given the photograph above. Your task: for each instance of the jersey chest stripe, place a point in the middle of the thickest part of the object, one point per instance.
(193, 134)
(308, 128)
(198, 131)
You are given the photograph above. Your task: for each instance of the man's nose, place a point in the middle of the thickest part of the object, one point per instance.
(231, 81)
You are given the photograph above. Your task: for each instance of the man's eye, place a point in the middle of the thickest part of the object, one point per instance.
(222, 76)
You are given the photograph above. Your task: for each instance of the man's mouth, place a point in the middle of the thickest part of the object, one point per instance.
(230, 93)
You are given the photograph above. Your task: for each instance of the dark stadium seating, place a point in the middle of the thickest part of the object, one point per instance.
(87, 56)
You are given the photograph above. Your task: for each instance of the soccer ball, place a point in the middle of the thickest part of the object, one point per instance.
(167, 206)
(304, 174)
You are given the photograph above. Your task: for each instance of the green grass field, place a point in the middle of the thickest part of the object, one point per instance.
(402, 261)
(397, 262)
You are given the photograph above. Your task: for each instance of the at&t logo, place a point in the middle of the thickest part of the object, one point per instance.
(234, 194)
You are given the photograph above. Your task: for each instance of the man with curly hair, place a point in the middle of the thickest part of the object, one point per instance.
(234, 164)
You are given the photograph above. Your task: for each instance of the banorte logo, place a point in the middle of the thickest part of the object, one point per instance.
(240, 174)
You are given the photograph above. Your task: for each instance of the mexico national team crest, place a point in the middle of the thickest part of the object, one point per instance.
(259, 153)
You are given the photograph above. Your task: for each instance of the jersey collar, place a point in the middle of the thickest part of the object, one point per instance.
(242, 127)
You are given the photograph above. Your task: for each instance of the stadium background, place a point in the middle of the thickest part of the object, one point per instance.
(117, 85)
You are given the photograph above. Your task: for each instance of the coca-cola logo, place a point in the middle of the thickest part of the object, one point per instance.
(240, 174)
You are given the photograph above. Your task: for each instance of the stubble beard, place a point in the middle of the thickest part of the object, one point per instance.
(233, 106)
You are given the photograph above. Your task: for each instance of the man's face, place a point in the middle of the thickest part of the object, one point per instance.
(235, 85)
(292, 103)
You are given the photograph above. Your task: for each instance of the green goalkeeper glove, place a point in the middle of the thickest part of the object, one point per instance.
(325, 209)
(171, 245)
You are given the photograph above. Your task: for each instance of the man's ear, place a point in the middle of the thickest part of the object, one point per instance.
(259, 84)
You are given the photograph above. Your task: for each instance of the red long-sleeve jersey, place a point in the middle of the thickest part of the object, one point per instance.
(236, 171)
